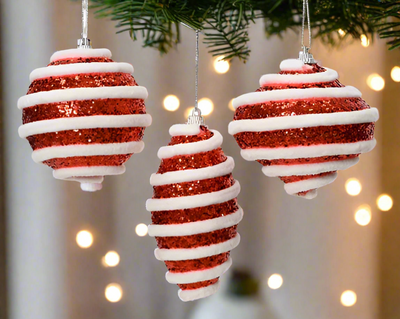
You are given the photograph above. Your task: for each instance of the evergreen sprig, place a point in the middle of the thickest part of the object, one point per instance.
(225, 23)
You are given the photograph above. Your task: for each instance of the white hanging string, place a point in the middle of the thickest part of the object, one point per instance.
(84, 42)
(195, 117)
(305, 55)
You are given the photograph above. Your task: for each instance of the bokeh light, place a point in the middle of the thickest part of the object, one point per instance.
(363, 215)
(364, 41)
(353, 186)
(384, 202)
(84, 239)
(275, 281)
(348, 298)
(113, 292)
(341, 33)
(395, 74)
(230, 105)
(111, 259)
(221, 66)
(206, 106)
(376, 82)
(141, 230)
(171, 103)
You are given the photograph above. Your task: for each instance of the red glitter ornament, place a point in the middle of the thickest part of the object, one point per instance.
(194, 210)
(84, 116)
(303, 125)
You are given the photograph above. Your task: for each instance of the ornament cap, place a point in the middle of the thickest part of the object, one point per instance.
(306, 56)
(84, 43)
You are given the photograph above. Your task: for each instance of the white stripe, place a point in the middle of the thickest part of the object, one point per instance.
(310, 194)
(194, 294)
(86, 150)
(191, 148)
(199, 275)
(84, 122)
(201, 200)
(70, 173)
(301, 121)
(307, 151)
(80, 53)
(295, 94)
(308, 169)
(81, 94)
(328, 76)
(80, 68)
(312, 183)
(199, 227)
(184, 129)
(188, 175)
(198, 252)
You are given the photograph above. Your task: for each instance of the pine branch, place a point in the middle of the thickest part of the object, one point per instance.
(225, 23)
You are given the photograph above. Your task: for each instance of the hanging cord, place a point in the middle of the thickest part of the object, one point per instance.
(195, 117)
(84, 42)
(305, 55)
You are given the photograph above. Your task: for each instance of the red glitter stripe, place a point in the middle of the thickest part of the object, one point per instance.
(181, 216)
(81, 161)
(315, 68)
(86, 136)
(198, 240)
(80, 60)
(83, 108)
(292, 179)
(310, 160)
(197, 264)
(81, 80)
(192, 161)
(299, 107)
(307, 136)
(194, 187)
(204, 134)
(197, 285)
(285, 86)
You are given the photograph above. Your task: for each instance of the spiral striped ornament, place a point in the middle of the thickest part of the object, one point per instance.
(303, 125)
(194, 210)
(84, 116)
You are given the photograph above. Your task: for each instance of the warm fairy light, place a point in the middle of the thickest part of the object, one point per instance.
(111, 259)
(141, 230)
(113, 292)
(230, 105)
(171, 103)
(384, 202)
(353, 187)
(188, 111)
(206, 106)
(364, 41)
(395, 74)
(221, 66)
(363, 215)
(275, 281)
(341, 33)
(84, 239)
(376, 82)
(348, 298)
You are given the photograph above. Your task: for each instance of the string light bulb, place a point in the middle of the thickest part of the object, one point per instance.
(113, 293)
(111, 259)
(384, 202)
(348, 298)
(395, 74)
(206, 106)
(363, 215)
(376, 82)
(171, 103)
(141, 230)
(364, 41)
(221, 66)
(84, 239)
(275, 281)
(353, 187)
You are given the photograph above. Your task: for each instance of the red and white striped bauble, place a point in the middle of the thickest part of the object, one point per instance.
(194, 210)
(84, 116)
(303, 125)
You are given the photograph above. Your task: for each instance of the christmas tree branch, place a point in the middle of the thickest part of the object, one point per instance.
(225, 23)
